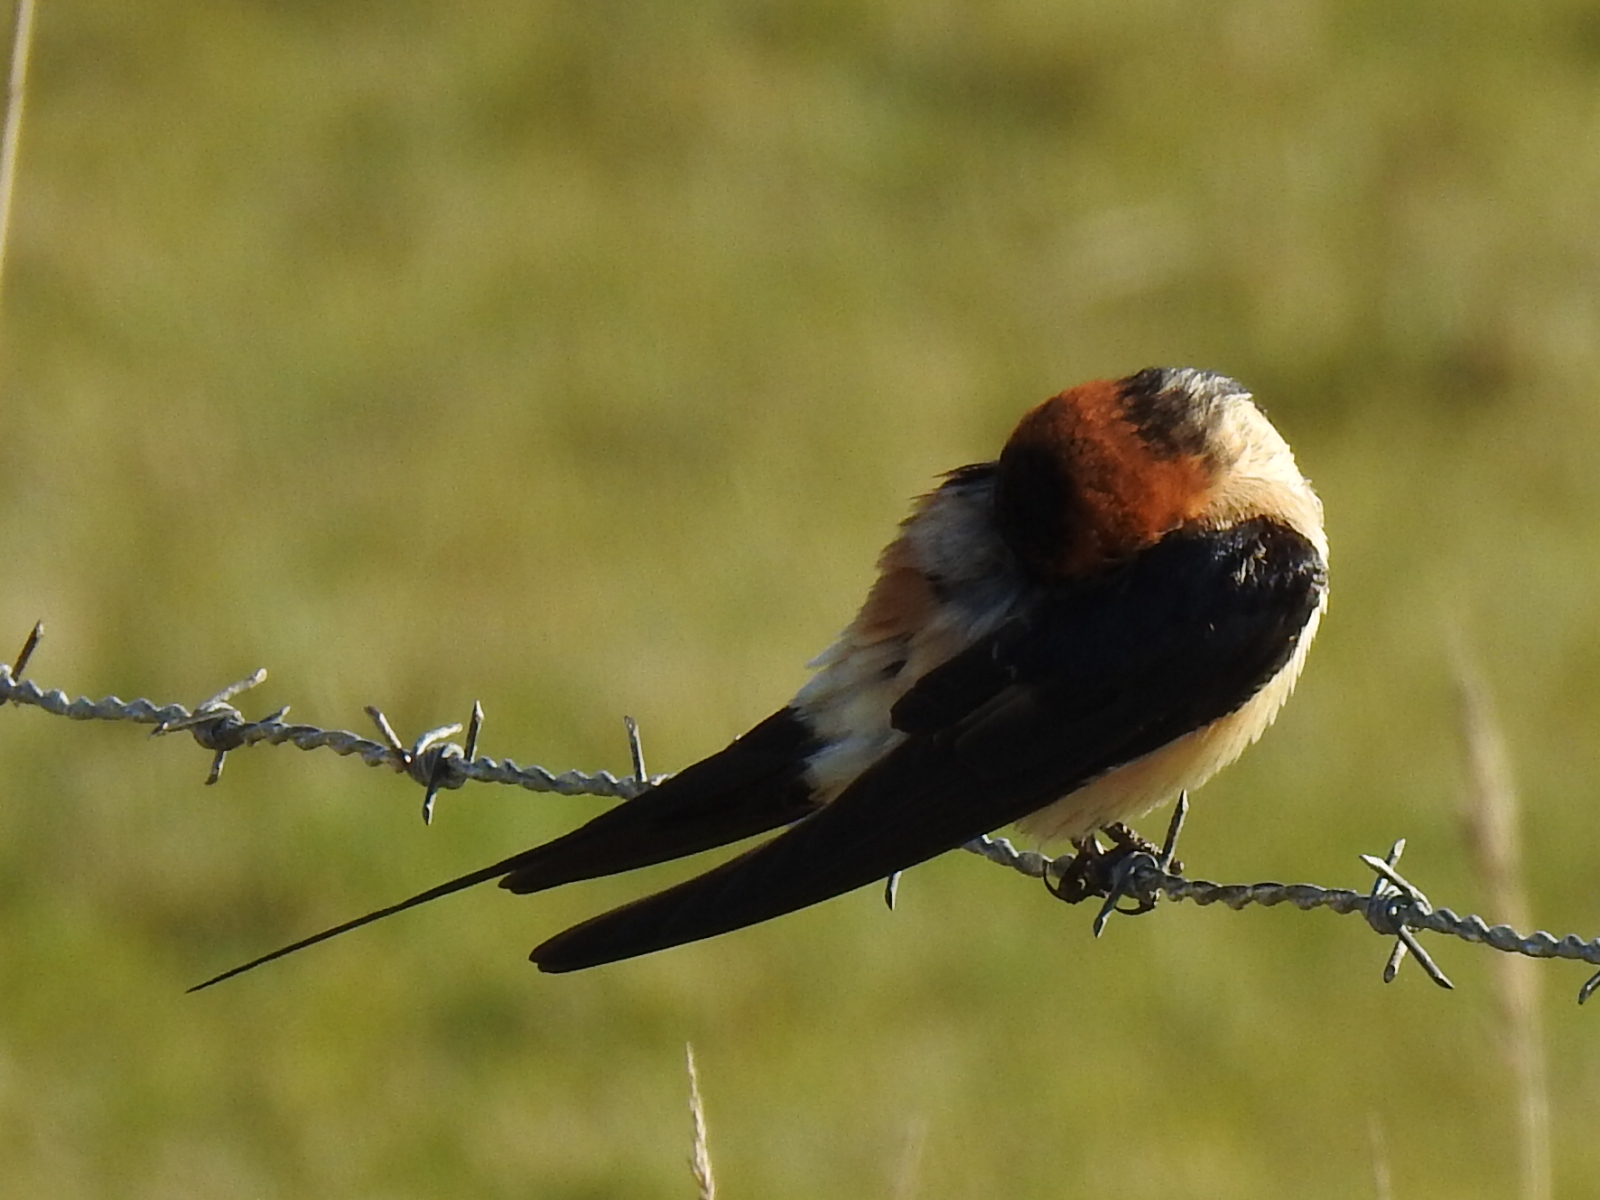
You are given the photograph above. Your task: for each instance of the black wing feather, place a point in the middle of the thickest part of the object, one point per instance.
(1094, 675)
(754, 785)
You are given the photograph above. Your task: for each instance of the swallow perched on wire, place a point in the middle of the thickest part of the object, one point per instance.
(1060, 639)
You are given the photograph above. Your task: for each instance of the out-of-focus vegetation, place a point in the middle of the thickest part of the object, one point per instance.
(579, 357)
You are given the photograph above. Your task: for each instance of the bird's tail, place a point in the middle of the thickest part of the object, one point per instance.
(482, 875)
(754, 785)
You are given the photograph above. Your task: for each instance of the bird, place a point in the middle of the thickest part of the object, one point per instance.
(1059, 639)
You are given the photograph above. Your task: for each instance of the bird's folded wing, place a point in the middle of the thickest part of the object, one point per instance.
(1091, 675)
(754, 785)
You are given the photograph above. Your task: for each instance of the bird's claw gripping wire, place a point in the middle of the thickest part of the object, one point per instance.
(1120, 871)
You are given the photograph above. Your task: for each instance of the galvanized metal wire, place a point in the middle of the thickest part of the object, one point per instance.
(1393, 906)
(431, 760)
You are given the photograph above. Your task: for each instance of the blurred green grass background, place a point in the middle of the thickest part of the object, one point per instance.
(579, 357)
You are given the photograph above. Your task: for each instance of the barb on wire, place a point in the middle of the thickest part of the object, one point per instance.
(1132, 869)
(28, 647)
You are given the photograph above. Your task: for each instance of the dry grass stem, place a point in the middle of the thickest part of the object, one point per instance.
(1490, 813)
(16, 89)
(909, 1168)
(1381, 1187)
(700, 1160)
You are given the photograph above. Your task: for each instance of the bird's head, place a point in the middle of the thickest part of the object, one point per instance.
(1095, 474)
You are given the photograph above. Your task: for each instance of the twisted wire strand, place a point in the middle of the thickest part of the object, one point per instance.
(1393, 907)
(220, 727)
(1387, 910)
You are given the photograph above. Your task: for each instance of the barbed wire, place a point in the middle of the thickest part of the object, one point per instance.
(1131, 870)
(432, 760)
(1394, 907)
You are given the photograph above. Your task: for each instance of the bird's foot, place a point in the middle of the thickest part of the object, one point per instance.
(1100, 871)
(1092, 871)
